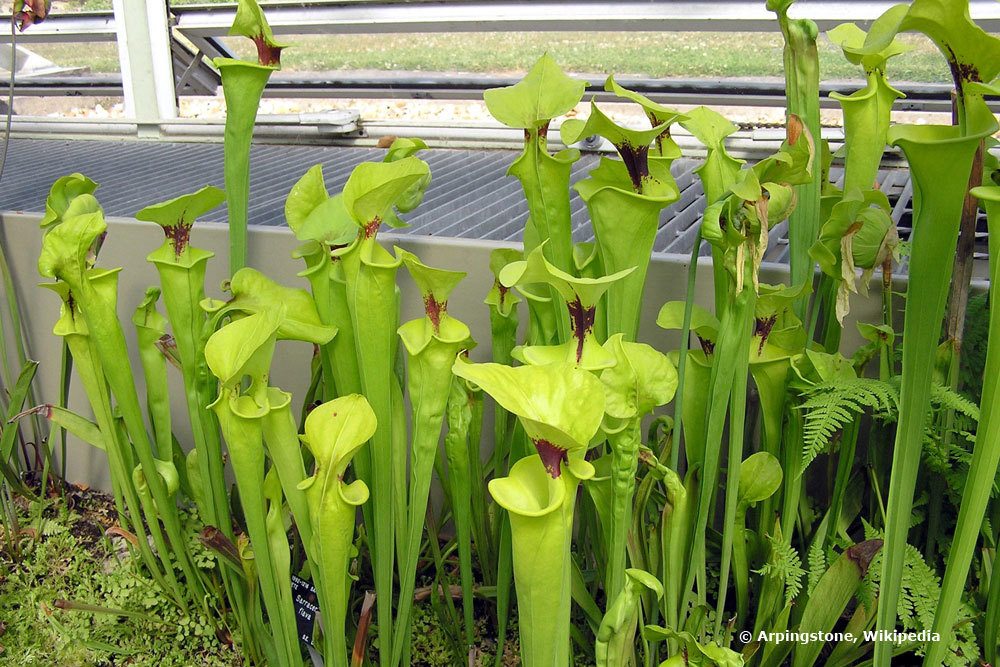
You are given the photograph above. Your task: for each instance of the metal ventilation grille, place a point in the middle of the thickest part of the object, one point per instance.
(470, 195)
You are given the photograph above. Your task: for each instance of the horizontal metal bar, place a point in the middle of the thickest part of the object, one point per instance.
(485, 16)
(368, 16)
(75, 27)
(722, 92)
(95, 85)
(422, 85)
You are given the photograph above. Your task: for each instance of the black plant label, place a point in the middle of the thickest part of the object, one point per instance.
(306, 608)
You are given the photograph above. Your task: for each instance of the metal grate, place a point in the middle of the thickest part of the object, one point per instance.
(470, 195)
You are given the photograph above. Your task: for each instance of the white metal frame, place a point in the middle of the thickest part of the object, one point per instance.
(146, 63)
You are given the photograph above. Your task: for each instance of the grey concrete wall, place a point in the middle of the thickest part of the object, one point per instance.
(129, 241)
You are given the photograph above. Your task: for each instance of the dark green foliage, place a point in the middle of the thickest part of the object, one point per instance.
(977, 319)
(918, 601)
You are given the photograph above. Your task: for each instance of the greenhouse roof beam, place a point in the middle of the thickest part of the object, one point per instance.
(365, 16)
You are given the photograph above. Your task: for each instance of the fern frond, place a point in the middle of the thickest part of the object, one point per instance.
(784, 563)
(946, 398)
(831, 406)
(817, 565)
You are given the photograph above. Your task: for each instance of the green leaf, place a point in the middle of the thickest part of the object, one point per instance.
(66, 248)
(313, 215)
(851, 39)
(399, 149)
(877, 333)
(298, 319)
(719, 170)
(574, 129)
(747, 186)
(184, 210)
(18, 395)
(641, 379)
(500, 296)
(657, 114)
(559, 405)
(703, 322)
(528, 490)
(834, 591)
(375, 187)
(792, 164)
(146, 315)
(177, 216)
(62, 193)
(581, 296)
(536, 269)
(402, 147)
(545, 93)
(694, 652)
(778, 300)
(760, 478)
(632, 145)
(335, 430)
(79, 426)
(615, 641)
(973, 54)
(435, 284)
(243, 348)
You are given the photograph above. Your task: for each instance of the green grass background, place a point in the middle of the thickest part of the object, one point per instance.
(650, 54)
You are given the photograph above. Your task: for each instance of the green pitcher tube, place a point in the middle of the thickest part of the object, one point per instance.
(150, 326)
(640, 380)
(242, 85)
(369, 272)
(541, 522)
(502, 302)
(985, 454)
(72, 329)
(432, 343)
(181, 268)
(560, 407)
(243, 348)
(801, 60)
(334, 432)
(65, 252)
(530, 105)
(940, 160)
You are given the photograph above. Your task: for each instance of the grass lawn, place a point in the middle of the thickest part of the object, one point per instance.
(649, 54)
(652, 54)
